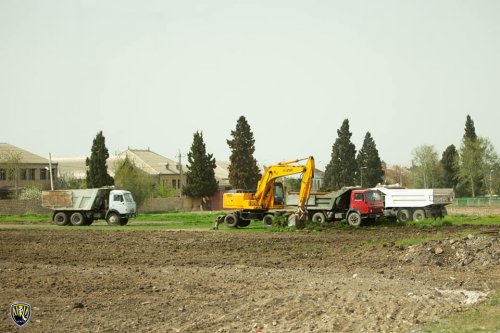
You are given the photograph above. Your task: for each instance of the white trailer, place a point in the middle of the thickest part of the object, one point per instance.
(416, 204)
(84, 206)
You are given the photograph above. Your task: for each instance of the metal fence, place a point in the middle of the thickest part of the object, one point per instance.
(478, 201)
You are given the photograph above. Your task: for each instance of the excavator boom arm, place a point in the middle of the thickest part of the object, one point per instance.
(283, 169)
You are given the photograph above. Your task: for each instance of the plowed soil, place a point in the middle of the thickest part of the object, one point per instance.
(353, 280)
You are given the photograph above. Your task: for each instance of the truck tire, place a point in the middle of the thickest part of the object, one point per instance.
(61, 218)
(78, 219)
(318, 217)
(243, 223)
(354, 219)
(124, 221)
(268, 220)
(418, 215)
(113, 219)
(403, 215)
(231, 220)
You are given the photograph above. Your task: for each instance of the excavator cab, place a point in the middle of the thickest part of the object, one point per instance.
(279, 194)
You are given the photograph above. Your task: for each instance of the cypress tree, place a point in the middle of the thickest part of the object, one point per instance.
(470, 129)
(369, 163)
(97, 169)
(471, 160)
(243, 170)
(341, 170)
(200, 177)
(449, 161)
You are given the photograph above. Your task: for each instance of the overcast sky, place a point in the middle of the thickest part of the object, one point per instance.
(151, 73)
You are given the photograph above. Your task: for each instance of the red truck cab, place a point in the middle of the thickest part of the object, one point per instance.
(364, 204)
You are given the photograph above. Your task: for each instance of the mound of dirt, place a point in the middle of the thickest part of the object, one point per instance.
(459, 254)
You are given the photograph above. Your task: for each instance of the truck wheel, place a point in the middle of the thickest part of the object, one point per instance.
(418, 215)
(77, 219)
(113, 219)
(124, 221)
(354, 219)
(243, 223)
(268, 220)
(318, 217)
(60, 218)
(231, 220)
(403, 215)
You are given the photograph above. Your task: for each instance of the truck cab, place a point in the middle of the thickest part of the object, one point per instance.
(351, 203)
(368, 203)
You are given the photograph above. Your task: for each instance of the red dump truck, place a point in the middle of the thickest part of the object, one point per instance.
(351, 203)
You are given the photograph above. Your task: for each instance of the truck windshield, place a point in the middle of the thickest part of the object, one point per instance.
(128, 197)
(373, 196)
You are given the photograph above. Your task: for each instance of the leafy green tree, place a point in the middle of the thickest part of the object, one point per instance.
(97, 169)
(243, 170)
(131, 178)
(31, 192)
(342, 168)
(449, 164)
(11, 160)
(292, 184)
(369, 163)
(426, 167)
(477, 159)
(200, 177)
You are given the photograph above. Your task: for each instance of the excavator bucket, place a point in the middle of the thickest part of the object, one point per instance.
(297, 219)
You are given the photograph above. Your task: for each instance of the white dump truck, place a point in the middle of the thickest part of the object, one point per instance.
(416, 204)
(84, 206)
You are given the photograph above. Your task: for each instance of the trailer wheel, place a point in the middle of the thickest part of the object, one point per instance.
(244, 223)
(418, 215)
(231, 220)
(61, 218)
(268, 220)
(77, 219)
(318, 217)
(113, 219)
(403, 215)
(354, 219)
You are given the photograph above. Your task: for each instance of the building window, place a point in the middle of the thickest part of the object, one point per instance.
(23, 174)
(3, 174)
(174, 183)
(43, 174)
(31, 174)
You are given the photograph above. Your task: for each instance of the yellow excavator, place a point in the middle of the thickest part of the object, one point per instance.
(268, 200)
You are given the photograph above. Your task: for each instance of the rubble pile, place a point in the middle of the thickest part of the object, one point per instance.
(462, 253)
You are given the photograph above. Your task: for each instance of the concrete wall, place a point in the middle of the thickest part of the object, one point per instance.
(161, 205)
(493, 210)
(21, 207)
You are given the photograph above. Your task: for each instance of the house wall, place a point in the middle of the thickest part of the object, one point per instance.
(29, 174)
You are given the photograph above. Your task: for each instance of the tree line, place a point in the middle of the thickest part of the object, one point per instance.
(471, 169)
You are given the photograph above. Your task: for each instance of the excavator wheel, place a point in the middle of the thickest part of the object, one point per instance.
(231, 220)
(243, 223)
(268, 220)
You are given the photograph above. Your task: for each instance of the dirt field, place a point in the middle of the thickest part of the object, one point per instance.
(190, 281)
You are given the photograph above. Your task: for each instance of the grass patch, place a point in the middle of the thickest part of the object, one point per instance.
(29, 218)
(457, 220)
(483, 318)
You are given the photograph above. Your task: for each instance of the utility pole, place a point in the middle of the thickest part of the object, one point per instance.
(491, 187)
(50, 173)
(363, 167)
(180, 174)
